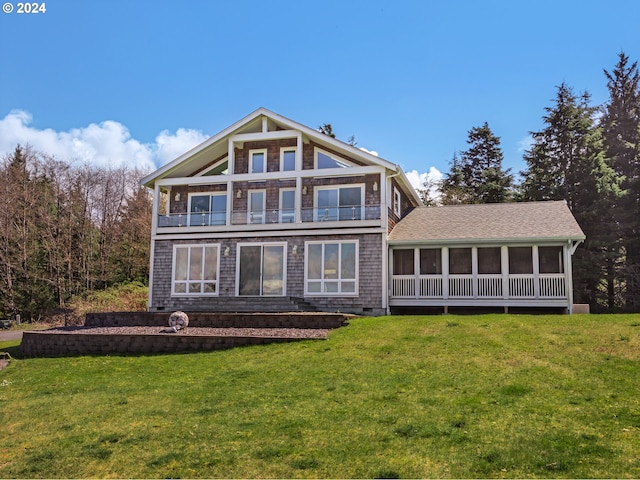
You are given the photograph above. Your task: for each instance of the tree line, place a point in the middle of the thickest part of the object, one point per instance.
(66, 230)
(587, 155)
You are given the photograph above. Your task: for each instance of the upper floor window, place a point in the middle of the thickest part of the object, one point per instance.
(258, 161)
(339, 203)
(287, 205)
(327, 160)
(287, 159)
(207, 209)
(397, 202)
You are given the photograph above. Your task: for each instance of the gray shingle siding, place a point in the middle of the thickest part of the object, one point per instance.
(368, 300)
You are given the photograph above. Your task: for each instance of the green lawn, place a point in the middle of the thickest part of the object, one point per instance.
(439, 396)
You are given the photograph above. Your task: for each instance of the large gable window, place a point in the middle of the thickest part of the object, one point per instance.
(327, 160)
(339, 203)
(331, 268)
(195, 269)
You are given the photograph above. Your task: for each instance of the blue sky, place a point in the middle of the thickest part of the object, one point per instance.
(141, 81)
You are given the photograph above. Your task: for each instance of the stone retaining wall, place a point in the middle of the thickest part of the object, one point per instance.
(44, 344)
(219, 320)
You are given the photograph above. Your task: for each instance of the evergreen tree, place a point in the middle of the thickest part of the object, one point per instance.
(621, 125)
(566, 162)
(477, 175)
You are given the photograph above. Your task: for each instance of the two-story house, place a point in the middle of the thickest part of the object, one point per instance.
(272, 215)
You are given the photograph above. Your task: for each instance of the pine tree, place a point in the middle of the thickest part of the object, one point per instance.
(566, 162)
(477, 175)
(621, 124)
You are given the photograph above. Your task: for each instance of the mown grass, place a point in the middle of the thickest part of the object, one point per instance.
(447, 396)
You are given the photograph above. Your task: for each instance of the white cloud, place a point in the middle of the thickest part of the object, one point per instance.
(172, 146)
(108, 143)
(525, 144)
(371, 152)
(417, 180)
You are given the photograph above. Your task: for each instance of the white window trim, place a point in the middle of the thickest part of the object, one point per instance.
(173, 271)
(202, 194)
(282, 152)
(281, 208)
(316, 190)
(322, 293)
(264, 206)
(251, 154)
(333, 156)
(284, 245)
(397, 202)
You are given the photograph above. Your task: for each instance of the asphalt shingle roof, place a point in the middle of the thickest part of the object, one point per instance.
(486, 222)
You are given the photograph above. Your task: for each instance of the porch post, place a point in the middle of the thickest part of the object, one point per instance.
(155, 208)
(474, 271)
(504, 268)
(416, 270)
(536, 271)
(445, 273)
(568, 277)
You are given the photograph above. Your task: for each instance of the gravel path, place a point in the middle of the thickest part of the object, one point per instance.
(196, 331)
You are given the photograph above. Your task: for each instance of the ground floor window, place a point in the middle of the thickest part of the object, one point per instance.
(331, 268)
(195, 269)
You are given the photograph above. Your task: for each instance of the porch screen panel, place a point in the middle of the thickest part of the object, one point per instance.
(430, 261)
(403, 262)
(520, 260)
(460, 261)
(489, 261)
(550, 259)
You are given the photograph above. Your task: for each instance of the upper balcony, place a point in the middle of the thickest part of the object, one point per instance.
(287, 218)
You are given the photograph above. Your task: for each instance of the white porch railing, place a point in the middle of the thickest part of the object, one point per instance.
(548, 285)
(403, 286)
(431, 286)
(490, 286)
(522, 285)
(552, 285)
(461, 286)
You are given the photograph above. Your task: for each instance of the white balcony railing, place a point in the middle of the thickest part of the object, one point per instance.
(270, 216)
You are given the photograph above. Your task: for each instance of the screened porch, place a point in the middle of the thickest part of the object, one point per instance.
(474, 276)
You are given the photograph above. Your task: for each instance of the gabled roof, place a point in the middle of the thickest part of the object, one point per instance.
(217, 145)
(523, 221)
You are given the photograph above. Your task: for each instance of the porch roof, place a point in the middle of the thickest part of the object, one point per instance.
(483, 223)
